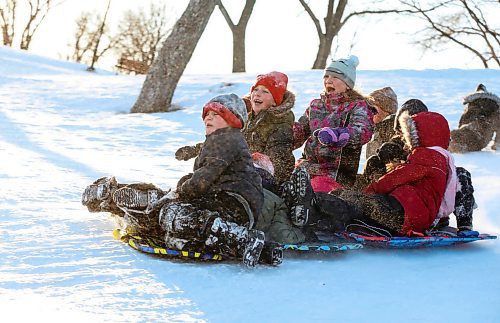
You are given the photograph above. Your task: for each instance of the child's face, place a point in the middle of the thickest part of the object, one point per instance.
(380, 115)
(334, 85)
(261, 99)
(213, 122)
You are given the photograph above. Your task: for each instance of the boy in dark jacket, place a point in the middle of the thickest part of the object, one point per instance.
(217, 205)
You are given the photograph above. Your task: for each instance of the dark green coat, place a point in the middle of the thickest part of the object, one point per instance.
(275, 221)
(270, 133)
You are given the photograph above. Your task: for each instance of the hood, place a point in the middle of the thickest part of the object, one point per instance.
(285, 106)
(277, 111)
(481, 93)
(425, 129)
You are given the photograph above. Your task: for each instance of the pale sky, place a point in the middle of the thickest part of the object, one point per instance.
(280, 36)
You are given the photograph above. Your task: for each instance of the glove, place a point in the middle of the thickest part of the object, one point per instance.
(390, 151)
(186, 152)
(374, 168)
(336, 137)
(183, 179)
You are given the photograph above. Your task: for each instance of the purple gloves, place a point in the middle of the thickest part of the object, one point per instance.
(336, 137)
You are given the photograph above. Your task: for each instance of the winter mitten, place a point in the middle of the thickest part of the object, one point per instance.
(390, 151)
(336, 137)
(374, 168)
(186, 153)
(183, 179)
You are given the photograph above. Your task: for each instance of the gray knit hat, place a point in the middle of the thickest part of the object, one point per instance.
(344, 69)
(230, 107)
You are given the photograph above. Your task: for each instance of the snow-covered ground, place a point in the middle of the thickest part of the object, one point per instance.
(62, 127)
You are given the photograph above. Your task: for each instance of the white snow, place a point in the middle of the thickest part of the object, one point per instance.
(62, 127)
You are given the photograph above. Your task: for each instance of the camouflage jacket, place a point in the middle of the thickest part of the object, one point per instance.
(270, 133)
(383, 132)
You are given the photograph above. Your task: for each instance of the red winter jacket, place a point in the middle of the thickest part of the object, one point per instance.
(420, 183)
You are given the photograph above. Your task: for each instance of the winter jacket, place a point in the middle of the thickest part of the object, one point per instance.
(334, 110)
(419, 184)
(275, 221)
(383, 132)
(225, 165)
(270, 133)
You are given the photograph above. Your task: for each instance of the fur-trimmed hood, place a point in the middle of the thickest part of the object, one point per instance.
(425, 129)
(285, 106)
(481, 93)
(277, 111)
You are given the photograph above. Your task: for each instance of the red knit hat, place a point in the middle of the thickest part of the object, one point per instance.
(275, 82)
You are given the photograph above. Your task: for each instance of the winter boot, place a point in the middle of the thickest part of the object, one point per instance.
(300, 196)
(272, 254)
(253, 247)
(141, 198)
(236, 240)
(97, 197)
(464, 200)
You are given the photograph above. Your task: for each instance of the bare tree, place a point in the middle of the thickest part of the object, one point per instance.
(238, 31)
(92, 38)
(7, 20)
(38, 10)
(138, 38)
(82, 45)
(462, 23)
(334, 21)
(158, 88)
(96, 40)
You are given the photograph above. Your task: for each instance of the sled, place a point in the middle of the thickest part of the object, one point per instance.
(322, 247)
(417, 241)
(157, 247)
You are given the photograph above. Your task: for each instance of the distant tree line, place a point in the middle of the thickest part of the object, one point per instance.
(144, 42)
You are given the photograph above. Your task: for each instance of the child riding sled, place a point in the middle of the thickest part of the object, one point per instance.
(215, 207)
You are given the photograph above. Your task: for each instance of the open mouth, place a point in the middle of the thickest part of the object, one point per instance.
(257, 101)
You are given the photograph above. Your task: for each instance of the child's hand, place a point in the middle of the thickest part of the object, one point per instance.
(336, 137)
(186, 153)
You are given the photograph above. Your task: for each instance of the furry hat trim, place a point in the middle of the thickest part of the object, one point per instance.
(409, 129)
(481, 93)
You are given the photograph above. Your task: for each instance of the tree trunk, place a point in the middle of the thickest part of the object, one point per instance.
(239, 64)
(158, 88)
(239, 32)
(325, 45)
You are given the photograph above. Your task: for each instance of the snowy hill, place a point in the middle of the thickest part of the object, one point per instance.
(62, 127)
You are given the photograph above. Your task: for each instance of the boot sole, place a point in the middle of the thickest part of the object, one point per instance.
(253, 248)
(130, 198)
(94, 192)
